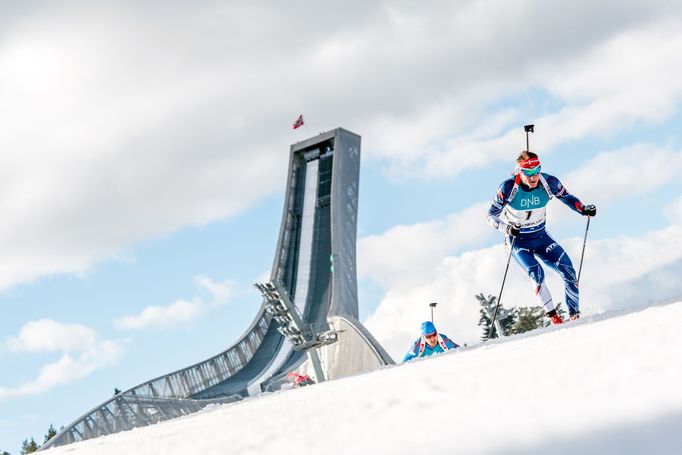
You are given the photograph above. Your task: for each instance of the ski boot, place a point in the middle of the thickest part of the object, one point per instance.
(554, 317)
(575, 316)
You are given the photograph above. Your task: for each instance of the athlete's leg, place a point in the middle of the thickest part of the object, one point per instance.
(554, 256)
(527, 260)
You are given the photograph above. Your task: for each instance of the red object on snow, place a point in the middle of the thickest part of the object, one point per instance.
(301, 379)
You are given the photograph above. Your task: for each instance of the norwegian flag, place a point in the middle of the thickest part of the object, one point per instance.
(299, 121)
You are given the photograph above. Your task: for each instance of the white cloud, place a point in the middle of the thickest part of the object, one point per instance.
(111, 137)
(599, 92)
(157, 316)
(398, 255)
(263, 277)
(67, 369)
(47, 335)
(618, 175)
(674, 210)
(181, 311)
(221, 292)
(82, 354)
(628, 172)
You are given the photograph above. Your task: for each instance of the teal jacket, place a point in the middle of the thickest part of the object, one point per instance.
(421, 348)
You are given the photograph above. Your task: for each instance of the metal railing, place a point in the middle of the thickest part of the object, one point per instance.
(125, 412)
(196, 378)
(168, 396)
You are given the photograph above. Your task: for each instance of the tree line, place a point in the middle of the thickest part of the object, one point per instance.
(514, 320)
(30, 446)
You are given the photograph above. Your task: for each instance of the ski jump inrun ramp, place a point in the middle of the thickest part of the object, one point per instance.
(308, 321)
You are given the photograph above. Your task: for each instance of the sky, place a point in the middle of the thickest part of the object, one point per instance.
(143, 154)
(634, 404)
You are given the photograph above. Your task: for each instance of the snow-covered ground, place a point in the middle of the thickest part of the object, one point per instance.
(607, 384)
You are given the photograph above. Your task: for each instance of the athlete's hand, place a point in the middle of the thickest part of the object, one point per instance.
(589, 210)
(513, 230)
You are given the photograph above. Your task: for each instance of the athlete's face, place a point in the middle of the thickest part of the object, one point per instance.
(531, 181)
(431, 339)
(530, 171)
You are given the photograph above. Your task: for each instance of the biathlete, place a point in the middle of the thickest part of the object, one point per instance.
(431, 342)
(518, 210)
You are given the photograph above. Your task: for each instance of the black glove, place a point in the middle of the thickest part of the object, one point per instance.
(589, 210)
(513, 230)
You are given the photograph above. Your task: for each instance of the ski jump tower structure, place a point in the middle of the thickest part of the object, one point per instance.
(308, 322)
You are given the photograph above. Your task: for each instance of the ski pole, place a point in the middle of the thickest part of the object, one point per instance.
(492, 323)
(580, 269)
(528, 129)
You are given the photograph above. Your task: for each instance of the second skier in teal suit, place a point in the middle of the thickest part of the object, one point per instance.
(431, 342)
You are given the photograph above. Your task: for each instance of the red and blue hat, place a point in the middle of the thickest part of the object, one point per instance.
(529, 167)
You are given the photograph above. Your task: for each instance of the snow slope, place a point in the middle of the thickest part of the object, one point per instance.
(607, 384)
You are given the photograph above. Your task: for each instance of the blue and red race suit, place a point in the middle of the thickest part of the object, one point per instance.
(421, 348)
(525, 207)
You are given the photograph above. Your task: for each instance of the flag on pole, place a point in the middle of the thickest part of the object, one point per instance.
(299, 121)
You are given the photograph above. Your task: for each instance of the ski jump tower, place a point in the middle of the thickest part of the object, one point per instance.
(308, 322)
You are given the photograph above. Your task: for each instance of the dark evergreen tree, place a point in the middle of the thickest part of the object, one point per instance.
(50, 433)
(528, 318)
(4, 452)
(29, 446)
(484, 321)
(506, 317)
(508, 320)
(533, 317)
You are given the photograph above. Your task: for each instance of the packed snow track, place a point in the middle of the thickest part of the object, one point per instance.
(606, 384)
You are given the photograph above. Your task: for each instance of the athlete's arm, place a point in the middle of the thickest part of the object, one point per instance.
(563, 195)
(496, 207)
(412, 353)
(449, 343)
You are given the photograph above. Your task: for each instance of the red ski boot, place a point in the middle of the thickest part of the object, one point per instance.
(575, 316)
(554, 317)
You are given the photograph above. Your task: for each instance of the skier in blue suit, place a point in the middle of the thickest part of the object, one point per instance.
(431, 342)
(518, 210)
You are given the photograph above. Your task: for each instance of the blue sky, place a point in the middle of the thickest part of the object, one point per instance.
(144, 147)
